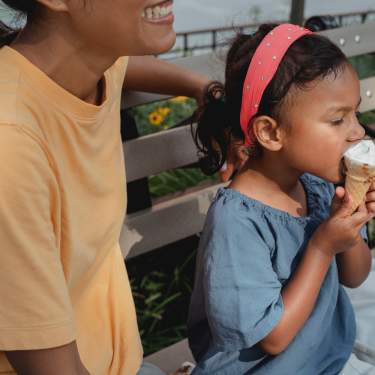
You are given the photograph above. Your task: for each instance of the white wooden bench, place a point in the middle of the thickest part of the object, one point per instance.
(182, 216)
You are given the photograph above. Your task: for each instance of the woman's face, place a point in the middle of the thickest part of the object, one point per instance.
(123, 27)
(323, 125)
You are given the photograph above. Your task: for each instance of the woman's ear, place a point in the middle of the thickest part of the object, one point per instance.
(268, 133)
(54, 5)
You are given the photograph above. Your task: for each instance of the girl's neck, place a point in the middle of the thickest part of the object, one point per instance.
(65, 60)
(274, 184)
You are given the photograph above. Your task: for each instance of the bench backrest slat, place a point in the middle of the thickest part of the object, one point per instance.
(159, 152)
(166, 222)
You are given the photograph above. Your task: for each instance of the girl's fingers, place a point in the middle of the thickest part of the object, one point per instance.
(360, 218)
(371, 207)
(370, 196)
(339, 192)
(344, 208)
(362, 208)
(370, 200)
(337, 199)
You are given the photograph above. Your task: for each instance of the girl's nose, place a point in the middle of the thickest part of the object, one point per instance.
(357, 131)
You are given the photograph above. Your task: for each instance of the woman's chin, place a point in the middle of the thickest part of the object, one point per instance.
(164, 44)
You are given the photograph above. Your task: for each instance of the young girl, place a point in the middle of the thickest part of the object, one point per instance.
(280, 241)
(65, 300)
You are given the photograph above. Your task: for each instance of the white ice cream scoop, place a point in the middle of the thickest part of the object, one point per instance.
(360, 164)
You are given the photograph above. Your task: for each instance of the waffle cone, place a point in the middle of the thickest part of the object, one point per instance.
(357, 187)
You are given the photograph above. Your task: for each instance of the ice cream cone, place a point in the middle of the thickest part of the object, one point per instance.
(357, 187)
(360, 164)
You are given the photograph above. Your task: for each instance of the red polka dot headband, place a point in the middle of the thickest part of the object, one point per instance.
(262, 69)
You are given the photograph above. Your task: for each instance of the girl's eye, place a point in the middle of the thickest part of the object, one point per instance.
(337, 121)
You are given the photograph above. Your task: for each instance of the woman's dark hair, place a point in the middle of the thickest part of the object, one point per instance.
(23, 8)
(309, 58)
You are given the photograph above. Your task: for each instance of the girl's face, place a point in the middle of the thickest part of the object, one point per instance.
(123, 27)
(323, 125)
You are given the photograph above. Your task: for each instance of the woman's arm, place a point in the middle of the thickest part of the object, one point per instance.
(150, 74)
(58, 361)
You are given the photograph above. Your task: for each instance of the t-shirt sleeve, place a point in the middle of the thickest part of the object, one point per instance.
(117, 73)
(35, 307)
(242, 291)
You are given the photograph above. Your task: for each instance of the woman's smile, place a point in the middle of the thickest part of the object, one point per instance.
(160, 13)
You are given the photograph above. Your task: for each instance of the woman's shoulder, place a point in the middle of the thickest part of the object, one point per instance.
(117, 72)
(9, 83)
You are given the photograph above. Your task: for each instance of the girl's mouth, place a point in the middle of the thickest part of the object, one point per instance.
(343, 168)
(162, 11)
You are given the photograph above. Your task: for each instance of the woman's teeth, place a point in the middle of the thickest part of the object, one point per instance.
(157, 12)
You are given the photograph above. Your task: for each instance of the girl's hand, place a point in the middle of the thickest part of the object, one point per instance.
(341, 231)
(370, 198)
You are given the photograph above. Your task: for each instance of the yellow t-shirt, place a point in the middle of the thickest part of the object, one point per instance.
(62, 205)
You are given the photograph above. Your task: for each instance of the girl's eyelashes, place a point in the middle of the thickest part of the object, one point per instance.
(337, 122)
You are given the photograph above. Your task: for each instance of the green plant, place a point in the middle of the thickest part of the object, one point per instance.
(364, 65)
(161, 300)
(155, 117)
(177, 180)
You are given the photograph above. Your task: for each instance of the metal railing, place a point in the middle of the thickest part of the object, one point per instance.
(207, 40)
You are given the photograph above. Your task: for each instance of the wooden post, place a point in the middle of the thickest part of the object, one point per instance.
(297, 12)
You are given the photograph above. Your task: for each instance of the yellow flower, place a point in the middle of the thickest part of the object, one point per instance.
(164, 111)
(155, 118)
(179, 99)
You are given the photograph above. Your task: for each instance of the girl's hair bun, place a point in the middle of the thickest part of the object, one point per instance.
(214, 91)
(211, 135)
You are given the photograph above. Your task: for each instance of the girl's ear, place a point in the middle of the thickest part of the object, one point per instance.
(54, 5)
(268, 133)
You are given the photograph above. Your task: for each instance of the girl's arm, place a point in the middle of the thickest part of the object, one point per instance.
(354, 265)
(299, 297)
(339, 233)
(150, 74)
(58, 361)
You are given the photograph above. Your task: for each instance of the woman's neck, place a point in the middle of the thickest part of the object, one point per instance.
(66, 61)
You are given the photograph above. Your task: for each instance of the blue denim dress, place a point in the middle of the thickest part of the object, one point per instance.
(247, 253)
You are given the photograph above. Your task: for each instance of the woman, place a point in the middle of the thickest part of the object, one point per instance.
(66, 304)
